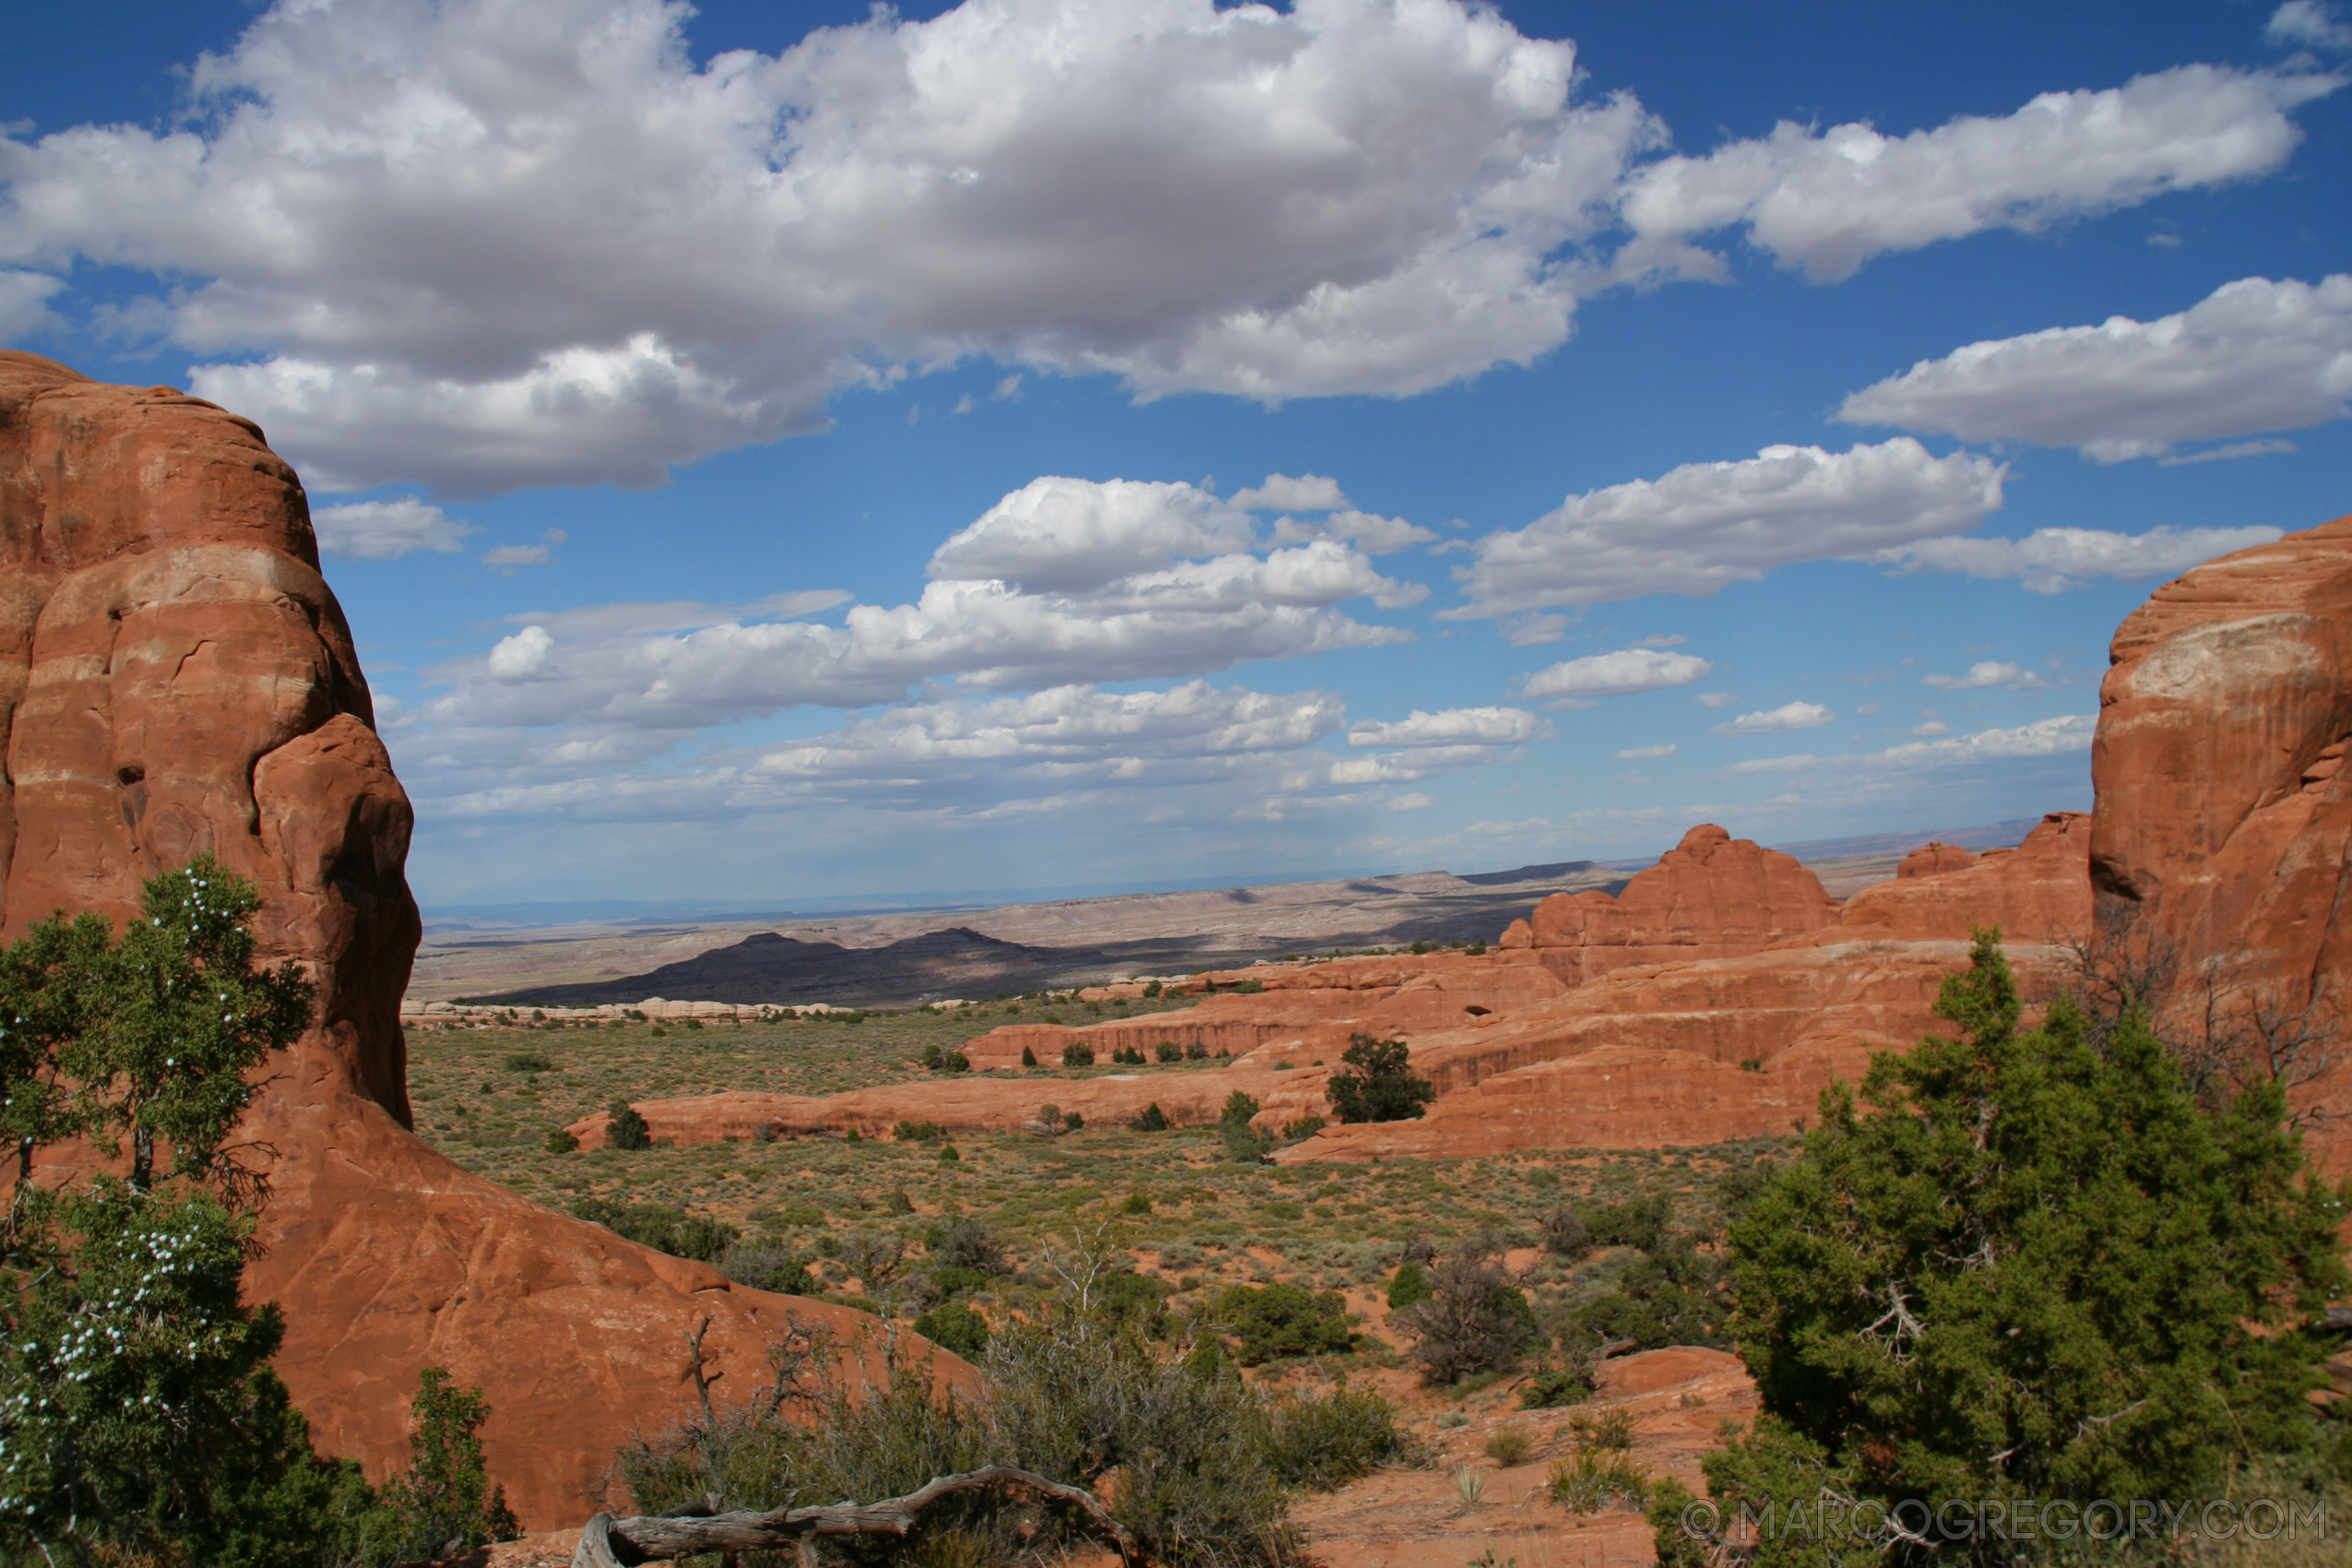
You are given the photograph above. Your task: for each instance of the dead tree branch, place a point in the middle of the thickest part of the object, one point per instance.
(608, 1542)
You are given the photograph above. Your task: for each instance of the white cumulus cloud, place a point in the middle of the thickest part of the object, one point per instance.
(24, 308)
(1987, 673)
(495, 242)
(489, 243)
(2253, 355)
(1452, 725)
(679, 667)
(386, 531)
(1706, 524)
(2054, 559)
(1285, 493)
(1619, 674)
(1772, 721)
(1073, 534)
(1644, 754)
(1828, 200)
(2044, 737)
(2308, 24)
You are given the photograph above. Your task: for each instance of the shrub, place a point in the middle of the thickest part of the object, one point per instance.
(626, 1129)
(955, 1061)
(1238, 1108)
(446, 1495)
(2006, 1247)
(1077, 1053)
(952, 1325)
(560, 1140)
(918, 1132)
(1378, 1084)
(1637, 1222)
(1303, 1128)
(1152, 1119)
(1136, 1204)
(1567, 1379)
(1195, 1051)
(529, 1061)
(895, 1201)
(1151, 988)
(966, 1243)
(1408, 1287)
(931, 1056)
(1028, 1057)
(1073, 1120)
(1510, 1444)
(763, 1266)
(1594, 1481)
(1474, 1320)
(666, 1228)
(1565, 1234)
(1669, 1297)
(1322, 1442)
(1606, 1432)
(1279, 1321)
(1169, 1050)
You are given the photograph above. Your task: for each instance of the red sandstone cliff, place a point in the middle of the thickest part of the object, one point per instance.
(2222, 836)
(175, 677)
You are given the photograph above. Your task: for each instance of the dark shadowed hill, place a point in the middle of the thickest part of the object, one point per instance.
(786, 971)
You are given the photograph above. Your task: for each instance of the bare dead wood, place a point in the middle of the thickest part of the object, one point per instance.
(607, 1542)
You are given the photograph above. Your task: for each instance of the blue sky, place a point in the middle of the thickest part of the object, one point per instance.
(784, 451)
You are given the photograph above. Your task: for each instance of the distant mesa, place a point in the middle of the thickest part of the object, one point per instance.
(784, 971)
(1529, 873)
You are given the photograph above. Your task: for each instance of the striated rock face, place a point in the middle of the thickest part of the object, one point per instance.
(175, 677)
(1710, 897)
(2222, 835)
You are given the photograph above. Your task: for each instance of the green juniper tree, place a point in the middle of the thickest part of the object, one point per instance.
(1378, 1084)
(139, 1420)
(2024, 1265)
(138, 1412)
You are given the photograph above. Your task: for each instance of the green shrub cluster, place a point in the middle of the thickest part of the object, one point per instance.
(139, 1420)
(1201, 1466)
(666, 1228)
(2028, 1264)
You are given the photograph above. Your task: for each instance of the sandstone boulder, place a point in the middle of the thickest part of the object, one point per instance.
(177, 677)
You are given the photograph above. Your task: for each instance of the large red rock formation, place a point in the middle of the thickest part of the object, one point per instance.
(1710, 897)
(175, 677)
(2221, 842)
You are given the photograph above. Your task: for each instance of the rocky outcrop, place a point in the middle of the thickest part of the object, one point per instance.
(2221, 841)
(175, 678)
(1710, 897)
(1307, 1005)
(2038, 892)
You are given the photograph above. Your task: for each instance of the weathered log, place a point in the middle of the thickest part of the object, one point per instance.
(608, 1542)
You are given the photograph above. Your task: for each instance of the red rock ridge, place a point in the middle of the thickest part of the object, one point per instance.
(1710, 897)
(175, 677)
